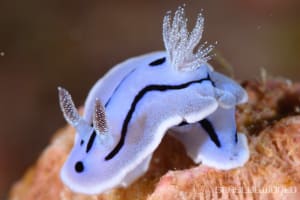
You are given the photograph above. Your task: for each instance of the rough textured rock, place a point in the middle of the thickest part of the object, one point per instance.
(271, 121)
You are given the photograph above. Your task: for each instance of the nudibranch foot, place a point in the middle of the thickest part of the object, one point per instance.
(227, 159)
(214, 140)
(136, 172)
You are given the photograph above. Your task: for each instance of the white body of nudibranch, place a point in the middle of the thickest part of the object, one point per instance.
(131, 108)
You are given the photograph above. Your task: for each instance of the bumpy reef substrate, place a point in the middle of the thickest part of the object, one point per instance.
(271, 121)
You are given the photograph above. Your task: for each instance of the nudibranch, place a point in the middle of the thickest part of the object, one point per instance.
(130, 109)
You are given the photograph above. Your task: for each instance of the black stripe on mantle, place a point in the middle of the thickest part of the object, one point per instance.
(137, 98)
(209, 129)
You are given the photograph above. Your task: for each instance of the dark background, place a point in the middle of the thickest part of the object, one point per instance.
(46, 43)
